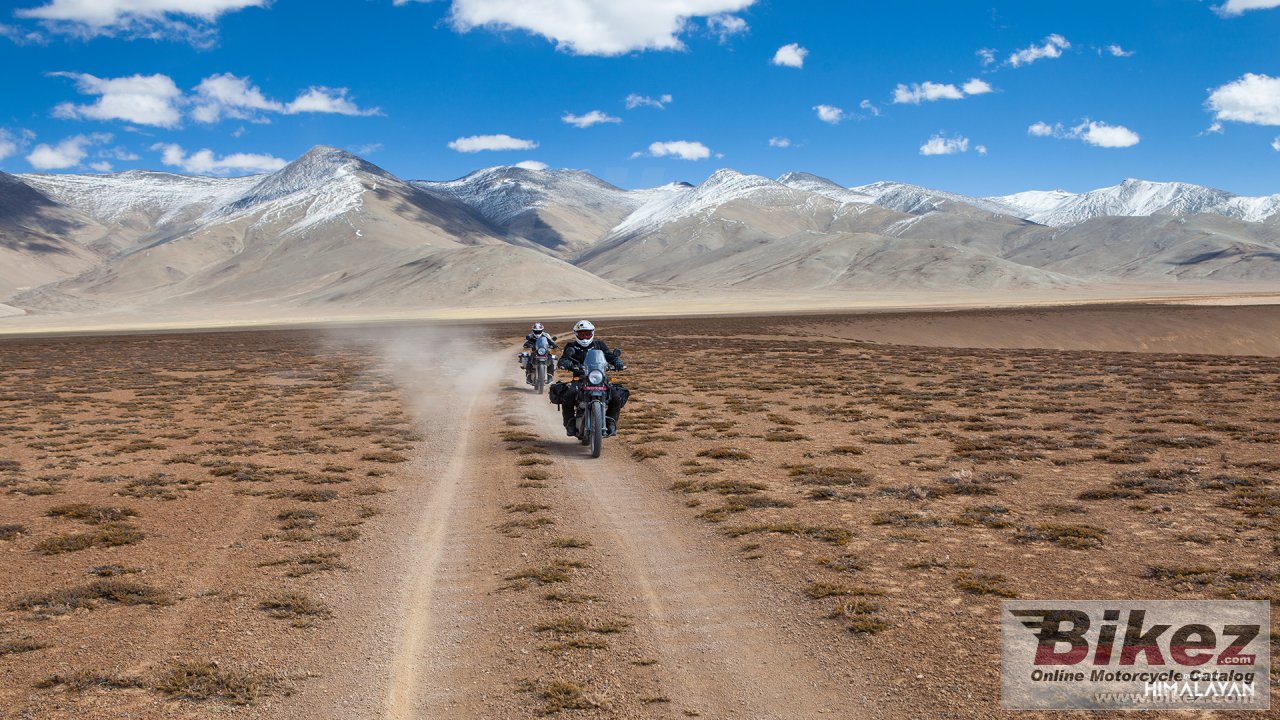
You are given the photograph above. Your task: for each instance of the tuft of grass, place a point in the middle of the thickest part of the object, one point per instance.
(559, 695)
(298, 608)
(384, 456)
(1069, 536)
(979, 582)
(834, 536)
(108, 535)
(17, 647)
(570, 542)
(725, 453)
(647, 453)
(526, 507)
(81, 680)
(819, 590)
(204, 680)
(831, 476)
(554, 572)
(119, 592)
(309, 563)
(9, 532)
(92, 514)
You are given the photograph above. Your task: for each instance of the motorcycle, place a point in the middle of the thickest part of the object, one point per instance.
(593, 400)
(540, 364)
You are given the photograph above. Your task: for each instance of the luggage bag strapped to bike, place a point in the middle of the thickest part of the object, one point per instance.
(560, 393)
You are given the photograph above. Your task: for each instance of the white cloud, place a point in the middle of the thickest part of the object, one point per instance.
(595, 117)
(1098, 134)
(987, 56)
(1117, 51)
(1041, 129)
(939, 145)
(869, 107)
(829, 113)
(790, 56)
(20, 36)
(726, 26)
(1235, 8)
(151, 19)
(481, 143)
(634, 101)
(593, 27)
(226, 95)
(141, 99)
(1253, 99)
(1052, 48)
(683, 149)
(779, 142)
(532, 165)
(204, 162)
(927, 91)
(14, 143)
(981, 149)
(335, 101)
(234, 97)
(367, 149)
(1275, 144)
(66, 154)
(102, 166)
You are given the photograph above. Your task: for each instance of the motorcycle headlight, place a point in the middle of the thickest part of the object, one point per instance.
(595, 377)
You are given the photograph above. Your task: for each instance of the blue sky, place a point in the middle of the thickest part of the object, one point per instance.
(1075, 94)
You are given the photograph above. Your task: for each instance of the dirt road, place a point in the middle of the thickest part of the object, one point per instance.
(723, 643)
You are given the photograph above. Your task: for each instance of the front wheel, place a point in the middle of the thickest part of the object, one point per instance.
(596, 430)
(540, 379)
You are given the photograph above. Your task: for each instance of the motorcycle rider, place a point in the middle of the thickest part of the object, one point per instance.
(530, 341)
(575, 354)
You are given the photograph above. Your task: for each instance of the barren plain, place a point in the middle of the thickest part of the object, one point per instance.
(805, 516)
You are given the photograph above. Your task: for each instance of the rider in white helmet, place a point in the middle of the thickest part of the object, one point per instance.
(575, 354)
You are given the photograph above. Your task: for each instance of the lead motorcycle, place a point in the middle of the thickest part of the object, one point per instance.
(593, 401)
(539, 363)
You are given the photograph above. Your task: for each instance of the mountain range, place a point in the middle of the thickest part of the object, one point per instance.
(333, 229)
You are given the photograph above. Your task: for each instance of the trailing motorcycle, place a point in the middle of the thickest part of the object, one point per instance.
(539, 363)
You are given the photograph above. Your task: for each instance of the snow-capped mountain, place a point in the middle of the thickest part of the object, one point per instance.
(559, 210)
(141, 199)
(682, 201)
(1139, 198)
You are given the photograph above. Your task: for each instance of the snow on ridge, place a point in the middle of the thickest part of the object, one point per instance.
(164, 197)
(1140, 198)
(503, 193)
(724, 186)
(325, 183)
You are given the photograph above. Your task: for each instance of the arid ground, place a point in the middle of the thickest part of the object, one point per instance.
(804, 516)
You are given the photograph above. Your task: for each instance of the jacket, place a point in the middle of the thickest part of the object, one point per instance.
(575, 355)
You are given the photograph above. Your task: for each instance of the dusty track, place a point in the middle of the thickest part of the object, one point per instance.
(723, 651)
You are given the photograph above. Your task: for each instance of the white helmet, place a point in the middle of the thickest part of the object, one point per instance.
(537, 328)
(585, 332)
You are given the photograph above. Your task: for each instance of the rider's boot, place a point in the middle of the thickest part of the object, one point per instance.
(610, 425)
(571, 428)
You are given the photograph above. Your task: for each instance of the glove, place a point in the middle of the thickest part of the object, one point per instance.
(620, 366)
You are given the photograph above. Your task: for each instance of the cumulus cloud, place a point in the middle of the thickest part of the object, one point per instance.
(66, 154)
(481, 143)
(634, 101)
(1117, 51)
(986, 56)
(595, 117)
(204, 162)
(150, 19)
(725, 26)
(532, 165)
(594, 27)
(779, 142)
(141, 99)
(939, 145)
(1098, 134)
(927, 91)
(829, 113)
(870, 108)
(790, 56)
(12, 143)
(1252, 99)
(235, 97)
(335, 101)
(1051, 48)
(682, 149)
(1236, 8)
